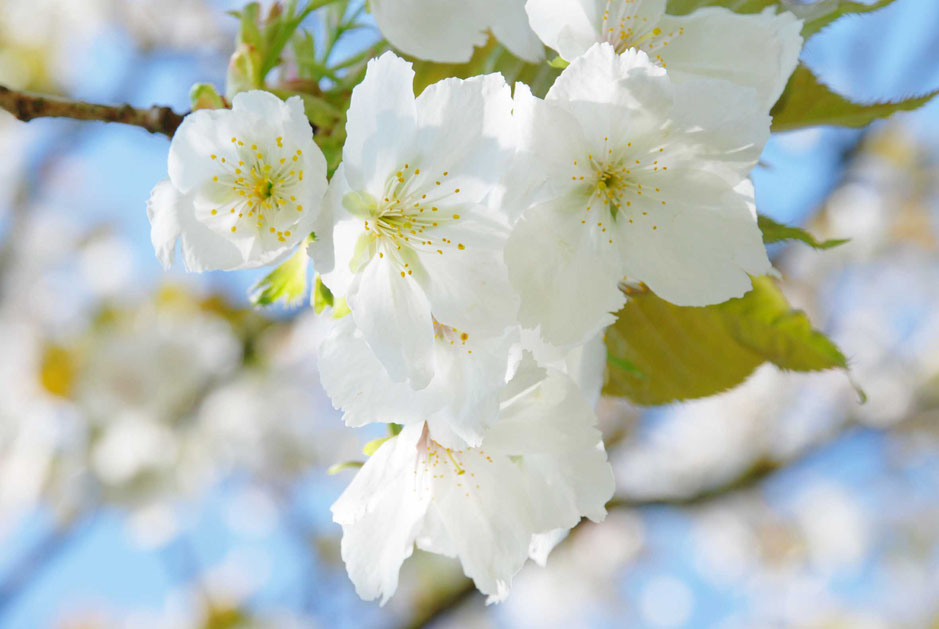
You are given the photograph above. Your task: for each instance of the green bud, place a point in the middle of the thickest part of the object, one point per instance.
(204, 96)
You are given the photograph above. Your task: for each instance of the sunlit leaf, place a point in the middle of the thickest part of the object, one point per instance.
(777, 232)
(808, 102)
(662, 353)
(682, 7)
(820, 14)
(372, 446)
(815, 15)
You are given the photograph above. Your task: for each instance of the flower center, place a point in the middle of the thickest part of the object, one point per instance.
(412, 214)
(624, 27)
(442, 462)
(622, 182)
(450, 335)
(258, 188)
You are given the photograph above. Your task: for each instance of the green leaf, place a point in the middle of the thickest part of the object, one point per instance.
(286, 283)
(808, 102)
(682, 7)
(818, 15)
(777, 232)
(815, 15)
(678, 353)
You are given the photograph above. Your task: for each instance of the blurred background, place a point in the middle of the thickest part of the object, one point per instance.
(164, 446)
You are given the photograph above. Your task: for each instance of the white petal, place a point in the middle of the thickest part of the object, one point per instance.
(381, 513)
(758, 51)
(199, 136)
(721, 122)
(381, 123)
(565, 283)
(439, 30)
(394, 316)
(614, 96)
(322, 250)
(543, 543)
(467, 284)
(466, 130)
(509, 23)
(342, 241)
(359, 385)
(568, 26)
(460, 402)
(468, 380)
(586, 365)
(163, 212)
(705, 244)
(553, 428)
(544, 160)
(487, 515)
(172, 216)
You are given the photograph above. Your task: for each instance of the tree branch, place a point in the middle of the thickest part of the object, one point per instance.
(27, 106)
(22, 573)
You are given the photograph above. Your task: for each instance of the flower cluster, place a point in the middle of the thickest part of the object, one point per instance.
(481, 240)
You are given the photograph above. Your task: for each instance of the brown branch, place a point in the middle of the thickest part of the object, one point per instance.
(27, 106)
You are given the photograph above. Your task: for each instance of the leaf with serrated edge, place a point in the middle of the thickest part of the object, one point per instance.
(777, 232)
(807, 102)
(682, 353)
(815, 16)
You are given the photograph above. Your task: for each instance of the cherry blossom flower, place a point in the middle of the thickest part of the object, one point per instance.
(415, 249)
(640, 179)
(757, 50)
(541, 467)
(245, 185)
(461, 400)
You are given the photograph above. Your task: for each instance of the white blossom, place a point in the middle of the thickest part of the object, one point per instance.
(541, 467)
(756, 50)
(415, 249)
(640, 179)
(245, 185)
(460, 401)
(448, 30)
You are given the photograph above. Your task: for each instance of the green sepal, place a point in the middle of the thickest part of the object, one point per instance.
(286, 283)
(372, 446)
(322, 296)
(345, 465)
(205, 96)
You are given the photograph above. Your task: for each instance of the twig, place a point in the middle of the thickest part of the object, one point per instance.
(27, 106)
